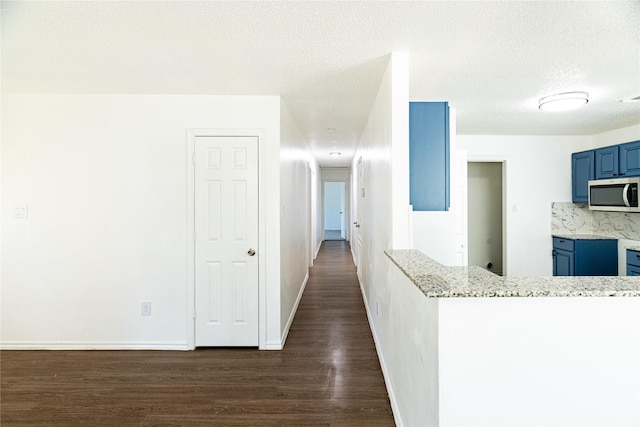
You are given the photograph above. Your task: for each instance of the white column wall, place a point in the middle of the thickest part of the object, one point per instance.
(401, 211)
(381, 224)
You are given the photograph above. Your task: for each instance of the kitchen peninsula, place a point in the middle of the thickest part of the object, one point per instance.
(473, 348)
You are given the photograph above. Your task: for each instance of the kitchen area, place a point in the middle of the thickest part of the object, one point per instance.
(599, 233)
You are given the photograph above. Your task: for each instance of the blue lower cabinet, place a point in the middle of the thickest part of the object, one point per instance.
(633, 262)
(563, 264)
(585, 257)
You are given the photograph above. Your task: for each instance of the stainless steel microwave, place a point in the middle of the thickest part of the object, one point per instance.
(619, 194)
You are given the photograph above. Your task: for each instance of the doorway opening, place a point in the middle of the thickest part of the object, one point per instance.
(335, 210)
(485, 215)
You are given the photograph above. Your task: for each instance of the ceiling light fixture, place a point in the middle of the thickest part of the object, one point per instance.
(334, 153)
(563, 101)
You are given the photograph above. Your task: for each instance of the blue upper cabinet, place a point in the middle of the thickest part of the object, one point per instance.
(582, 170)
(429, 156)
(607, 162)
(615, 161)
(630, 159)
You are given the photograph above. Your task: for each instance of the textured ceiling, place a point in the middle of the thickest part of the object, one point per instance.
(491, 60)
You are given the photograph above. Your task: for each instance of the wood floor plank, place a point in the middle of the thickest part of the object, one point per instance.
(328, 374)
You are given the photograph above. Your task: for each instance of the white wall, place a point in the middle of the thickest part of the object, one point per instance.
(295, 245)
(377, 147)
(616, 136)
(411, 354)
(335, 174)
(538, 361)
(104, 177)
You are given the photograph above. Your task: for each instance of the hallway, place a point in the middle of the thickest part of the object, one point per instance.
(327, 375)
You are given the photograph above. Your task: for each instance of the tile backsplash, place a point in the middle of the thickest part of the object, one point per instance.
(573, 218)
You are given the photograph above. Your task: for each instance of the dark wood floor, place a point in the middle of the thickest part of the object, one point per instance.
(327, 375)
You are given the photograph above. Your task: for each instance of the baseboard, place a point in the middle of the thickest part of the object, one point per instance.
(318, 249)
(285, 332)
(73, 345)
(274, 345)
(385, 374)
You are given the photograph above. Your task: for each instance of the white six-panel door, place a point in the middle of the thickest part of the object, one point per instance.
(226, 236)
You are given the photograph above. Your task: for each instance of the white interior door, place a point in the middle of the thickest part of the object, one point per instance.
(226, 251)
(334, 194)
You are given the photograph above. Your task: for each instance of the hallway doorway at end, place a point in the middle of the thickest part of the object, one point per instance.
(334, 202)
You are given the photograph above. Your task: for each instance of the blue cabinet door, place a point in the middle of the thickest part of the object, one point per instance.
(633, 271)
(607, 162)
(582, 170)
(630, 159)
(429, 156)
(563, 263)
(596, 257)
(633, 258)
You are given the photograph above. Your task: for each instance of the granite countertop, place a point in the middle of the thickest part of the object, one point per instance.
(584, 237)
(438, 281)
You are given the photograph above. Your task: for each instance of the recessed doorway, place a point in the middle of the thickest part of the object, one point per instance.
(485, 215)
(335, 210)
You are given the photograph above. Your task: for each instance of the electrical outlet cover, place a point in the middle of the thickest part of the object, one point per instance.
(146, 308)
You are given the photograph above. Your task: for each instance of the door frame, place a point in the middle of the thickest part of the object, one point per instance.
(347, 210)
(192, 134)
(356, 182)
(309, 208)
(503, 160)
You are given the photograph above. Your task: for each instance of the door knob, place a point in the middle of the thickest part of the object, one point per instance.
(251, 252)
